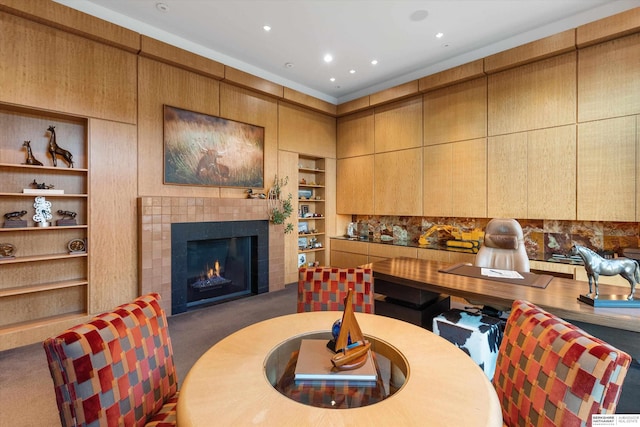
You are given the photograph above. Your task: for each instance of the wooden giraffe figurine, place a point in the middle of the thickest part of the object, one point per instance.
(30, 159)
(55, 150)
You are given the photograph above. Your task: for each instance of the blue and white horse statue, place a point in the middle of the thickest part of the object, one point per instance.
(596, 265)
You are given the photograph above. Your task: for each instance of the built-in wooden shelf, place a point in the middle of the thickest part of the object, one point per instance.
(42, 287)
(44, 168)
(37, 258)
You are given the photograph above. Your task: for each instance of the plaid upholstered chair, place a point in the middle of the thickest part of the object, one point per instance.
(325, 288)
(117, 369)
(549, 372)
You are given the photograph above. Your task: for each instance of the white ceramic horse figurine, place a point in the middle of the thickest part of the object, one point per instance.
(596, 265)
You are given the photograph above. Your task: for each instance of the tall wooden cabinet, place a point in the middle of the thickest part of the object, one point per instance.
(44, 279)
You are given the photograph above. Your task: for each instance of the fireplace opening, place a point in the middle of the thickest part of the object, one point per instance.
(214, 262)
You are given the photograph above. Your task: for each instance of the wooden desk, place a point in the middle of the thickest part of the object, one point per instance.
(559, 297)
(228, 384)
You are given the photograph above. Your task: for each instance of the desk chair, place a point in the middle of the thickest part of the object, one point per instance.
(550, 372)
(117, 369)
(503, 246)
(325, 288)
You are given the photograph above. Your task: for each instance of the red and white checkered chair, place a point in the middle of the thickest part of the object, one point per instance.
(117, 369)
(325, 289)
(550, 372)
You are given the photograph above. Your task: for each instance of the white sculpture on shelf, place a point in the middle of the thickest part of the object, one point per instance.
(43, 212)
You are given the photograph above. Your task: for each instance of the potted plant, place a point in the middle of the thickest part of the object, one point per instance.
(280, 209)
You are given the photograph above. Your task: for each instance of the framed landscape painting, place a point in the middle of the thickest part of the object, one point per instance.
(206, 150)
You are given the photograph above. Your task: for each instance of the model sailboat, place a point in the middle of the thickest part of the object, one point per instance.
(350, 356)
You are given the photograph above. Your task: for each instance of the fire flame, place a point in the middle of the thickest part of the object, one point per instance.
(215, 271)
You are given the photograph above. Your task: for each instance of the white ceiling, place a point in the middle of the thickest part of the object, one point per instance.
(353, 31)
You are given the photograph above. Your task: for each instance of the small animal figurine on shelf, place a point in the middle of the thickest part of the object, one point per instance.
(14, 219)
(42, 186)
(68, 218)
(30, 159)
(252, 195)
(56, 150)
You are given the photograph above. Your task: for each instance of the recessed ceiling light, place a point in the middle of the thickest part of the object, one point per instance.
(374, 62)
(439, 35)
(328, 58)
(333, 79)
(266, 28)
(289, 65)
(162, 7)
(352, 71)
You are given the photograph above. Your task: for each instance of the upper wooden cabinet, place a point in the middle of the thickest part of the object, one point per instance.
(607, 169)
(59, 71)
(398, 183)
(609, 79)
(533, 96)
(456, 113)
(307, 132)
(551, 173)
(398, 125)
(455, 179)
(355, 135)
(355, 186)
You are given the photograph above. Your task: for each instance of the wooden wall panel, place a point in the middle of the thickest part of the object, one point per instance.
(604, 29)
(607, 170)
(507, 176)
(455, 179)
(551, 173)
(355, 185)
(398, 183)
(54, 70)
(469, 178)
(456, 113)
(437, 187)
(355, 135)
(464, 72)
(113, 242)
(399, 125)
(161, 84)
(534, 51)
(533, 96)
(288, 166)
(172, 55)
(609, 79)
(260, 110)
(306, 132)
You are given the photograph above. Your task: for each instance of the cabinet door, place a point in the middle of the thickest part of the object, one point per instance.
(507, 176)
(355, 135)
(355, 186)
(469, 178)
(437, 194)
(398, 125)
(398, 183)
(455, 182)
(607, 170)
(456, 113)
(551, 173)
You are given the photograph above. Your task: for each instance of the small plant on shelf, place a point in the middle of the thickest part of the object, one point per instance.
(280, 209)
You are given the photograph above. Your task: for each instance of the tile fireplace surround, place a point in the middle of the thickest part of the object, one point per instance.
(155, 216)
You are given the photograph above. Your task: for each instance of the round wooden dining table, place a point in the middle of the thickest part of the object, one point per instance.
(231, 384)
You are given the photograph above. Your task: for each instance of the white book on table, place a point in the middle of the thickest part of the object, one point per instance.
(314, 363)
